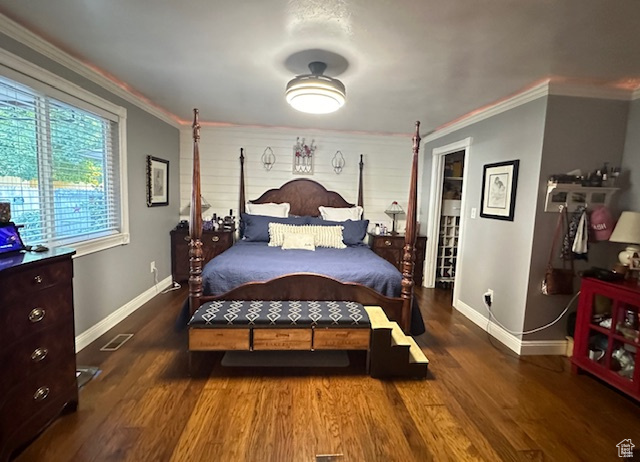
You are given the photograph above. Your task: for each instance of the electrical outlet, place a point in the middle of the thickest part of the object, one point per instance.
(489, 296)
(473, 212)
(152, 267)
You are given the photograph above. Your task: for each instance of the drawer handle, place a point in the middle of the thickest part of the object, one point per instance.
(187, 238)
(39, 354)
(37, 279)
(41, 394)
(215, 238)
(36, 315)
(387, 243)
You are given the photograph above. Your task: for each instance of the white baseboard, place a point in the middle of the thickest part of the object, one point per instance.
(515, 344)
(114, 318)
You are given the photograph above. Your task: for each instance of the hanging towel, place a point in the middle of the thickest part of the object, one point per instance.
(580, 247)
(566, 253)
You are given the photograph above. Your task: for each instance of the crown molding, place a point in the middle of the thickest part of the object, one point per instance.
(539, 90)
(38, 44)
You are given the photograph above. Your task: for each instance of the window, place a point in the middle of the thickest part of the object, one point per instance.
(61, 163)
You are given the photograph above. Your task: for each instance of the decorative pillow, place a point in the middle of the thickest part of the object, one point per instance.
(323, 236)
(298, 241)
(340, 213)
(256, 227)
(353, 233)
(270, 209)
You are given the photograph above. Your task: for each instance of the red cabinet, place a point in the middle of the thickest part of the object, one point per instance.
(607, 335)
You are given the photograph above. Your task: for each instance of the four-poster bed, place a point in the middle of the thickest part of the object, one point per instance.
(305, 197)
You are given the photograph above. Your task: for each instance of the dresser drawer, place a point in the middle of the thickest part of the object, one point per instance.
(34, 395)
(35, 312)
(36, 352)
(18, 284)
(388, 242)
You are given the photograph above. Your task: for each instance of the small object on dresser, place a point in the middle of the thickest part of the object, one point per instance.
(5, 212)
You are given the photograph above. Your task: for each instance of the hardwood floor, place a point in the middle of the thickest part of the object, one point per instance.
(479, 403)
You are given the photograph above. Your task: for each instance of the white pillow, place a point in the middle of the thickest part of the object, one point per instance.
(298, 241)
(323, 236)
(340, 213)
(270, 209)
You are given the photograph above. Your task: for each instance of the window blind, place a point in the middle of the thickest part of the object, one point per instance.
(58, 167)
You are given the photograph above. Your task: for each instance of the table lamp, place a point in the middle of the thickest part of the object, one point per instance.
(394, 210)
(627, 231)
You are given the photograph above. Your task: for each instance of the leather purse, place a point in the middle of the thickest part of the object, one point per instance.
(559, 281)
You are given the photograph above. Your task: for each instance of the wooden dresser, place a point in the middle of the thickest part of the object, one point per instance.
(389, 247)
(213, 243)
(37, 344)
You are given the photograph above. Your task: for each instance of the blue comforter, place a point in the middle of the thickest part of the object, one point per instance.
(256, 261)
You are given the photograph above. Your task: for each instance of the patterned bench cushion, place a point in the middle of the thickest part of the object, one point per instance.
(259, 313)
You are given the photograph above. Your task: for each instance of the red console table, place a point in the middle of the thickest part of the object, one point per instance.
(607, 334)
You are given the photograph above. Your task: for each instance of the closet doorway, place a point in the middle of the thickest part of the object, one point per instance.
(446, 217)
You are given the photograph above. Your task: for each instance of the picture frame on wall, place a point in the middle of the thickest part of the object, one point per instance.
(157, 182)
(499, 181)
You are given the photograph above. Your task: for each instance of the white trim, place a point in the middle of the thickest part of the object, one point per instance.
(542, 89)
(96, 245)
(543, 347)
(36, 43)
(518, 346)
(509, 340)
(95, 331)
(435, 203)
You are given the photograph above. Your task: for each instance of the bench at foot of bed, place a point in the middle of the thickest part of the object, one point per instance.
(307, 325)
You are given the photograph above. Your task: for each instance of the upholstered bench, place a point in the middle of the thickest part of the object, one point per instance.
(279, 325)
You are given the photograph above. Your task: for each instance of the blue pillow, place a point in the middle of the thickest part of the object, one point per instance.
(354, 230)
(256, 227)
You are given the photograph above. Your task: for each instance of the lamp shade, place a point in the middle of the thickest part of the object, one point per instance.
(394, 209)
(627, 231)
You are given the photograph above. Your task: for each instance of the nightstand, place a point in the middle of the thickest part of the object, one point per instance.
(389, 247)
(213, 243)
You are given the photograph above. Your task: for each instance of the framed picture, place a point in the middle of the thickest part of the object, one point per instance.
(499, 183)
(157, 182)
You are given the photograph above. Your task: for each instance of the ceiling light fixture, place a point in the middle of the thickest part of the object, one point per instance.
(316, 93)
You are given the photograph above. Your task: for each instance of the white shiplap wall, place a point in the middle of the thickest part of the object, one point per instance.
(387, 160)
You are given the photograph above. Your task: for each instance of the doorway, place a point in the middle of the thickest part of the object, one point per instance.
(444, 255)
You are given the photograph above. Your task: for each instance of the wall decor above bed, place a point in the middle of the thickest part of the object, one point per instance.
(303, 157)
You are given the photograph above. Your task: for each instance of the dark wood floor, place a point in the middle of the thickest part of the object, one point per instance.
(478, 403)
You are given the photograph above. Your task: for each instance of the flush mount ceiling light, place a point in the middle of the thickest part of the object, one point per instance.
(315, 93)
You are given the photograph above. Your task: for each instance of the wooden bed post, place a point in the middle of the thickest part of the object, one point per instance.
(195, 225)
(360, 199)
(410, 237)
(241, 206)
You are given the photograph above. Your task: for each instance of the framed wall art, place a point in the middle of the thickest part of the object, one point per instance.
(499, 183)
(157, 182)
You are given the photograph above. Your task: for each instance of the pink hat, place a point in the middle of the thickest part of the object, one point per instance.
(601, 223)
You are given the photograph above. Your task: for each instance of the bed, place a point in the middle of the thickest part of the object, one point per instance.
(253, 270)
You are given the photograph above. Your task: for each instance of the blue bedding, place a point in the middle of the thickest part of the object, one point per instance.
(256, 261)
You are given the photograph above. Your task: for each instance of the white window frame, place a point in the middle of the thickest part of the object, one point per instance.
(27, 73)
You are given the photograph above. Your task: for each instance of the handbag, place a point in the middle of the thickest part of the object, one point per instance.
(558, 281)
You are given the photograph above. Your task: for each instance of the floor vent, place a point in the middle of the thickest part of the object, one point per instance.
(116, 342)
(329, 457)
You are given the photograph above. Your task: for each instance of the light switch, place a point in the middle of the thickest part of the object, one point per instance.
(473, 212)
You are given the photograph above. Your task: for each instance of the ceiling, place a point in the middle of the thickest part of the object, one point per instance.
(427, 60)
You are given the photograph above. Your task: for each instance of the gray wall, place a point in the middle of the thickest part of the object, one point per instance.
(630, 198)
(497, 253)
(107, 280)
(580, 133)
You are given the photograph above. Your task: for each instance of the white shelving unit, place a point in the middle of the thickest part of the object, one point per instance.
(574, 195)
(448, 243)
